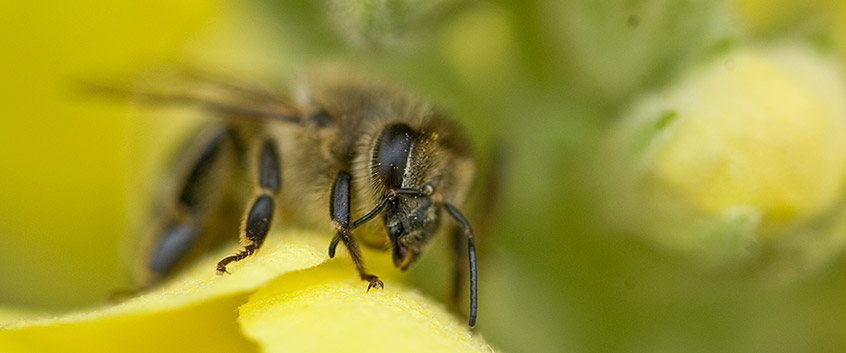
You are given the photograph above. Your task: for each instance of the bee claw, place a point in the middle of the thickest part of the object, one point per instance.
(375, 282)
(221, 269)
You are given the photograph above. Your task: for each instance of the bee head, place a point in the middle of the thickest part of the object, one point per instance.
(410, 222)
(408, 159)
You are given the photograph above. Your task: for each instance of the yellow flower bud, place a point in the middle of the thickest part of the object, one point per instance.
(737, 154)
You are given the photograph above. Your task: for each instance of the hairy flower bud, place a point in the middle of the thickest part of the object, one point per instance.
(735, 159)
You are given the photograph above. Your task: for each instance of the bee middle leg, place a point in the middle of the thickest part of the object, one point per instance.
(261, 212)
(339, 208)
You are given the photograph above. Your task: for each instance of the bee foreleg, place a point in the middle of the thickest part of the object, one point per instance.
(339, 208)
(261, 212)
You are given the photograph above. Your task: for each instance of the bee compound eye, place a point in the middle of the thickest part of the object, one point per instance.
(392, 153)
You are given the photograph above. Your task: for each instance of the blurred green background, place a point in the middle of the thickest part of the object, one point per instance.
(544, 81)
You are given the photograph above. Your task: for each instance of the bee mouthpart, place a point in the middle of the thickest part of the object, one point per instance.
(402, 257)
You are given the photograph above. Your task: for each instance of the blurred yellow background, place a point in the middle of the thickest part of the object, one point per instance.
(62, 187)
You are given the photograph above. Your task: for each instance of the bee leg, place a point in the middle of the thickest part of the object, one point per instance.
(458, 252)
(261, 212)
(181, 221)
(471, 253)
(339, 207)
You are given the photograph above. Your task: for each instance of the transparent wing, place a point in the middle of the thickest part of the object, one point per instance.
(226, 98)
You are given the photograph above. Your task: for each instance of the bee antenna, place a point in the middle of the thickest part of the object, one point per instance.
(471, 251)
(381, 206)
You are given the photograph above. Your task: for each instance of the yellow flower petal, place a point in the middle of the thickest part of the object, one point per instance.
(327, 309)
(198, 311)
(195, 310)
(9, 315)
(208, 327)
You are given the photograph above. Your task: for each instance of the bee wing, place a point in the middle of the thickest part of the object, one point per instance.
(219, 97)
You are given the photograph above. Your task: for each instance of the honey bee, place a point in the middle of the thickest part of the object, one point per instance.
(361, 147)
